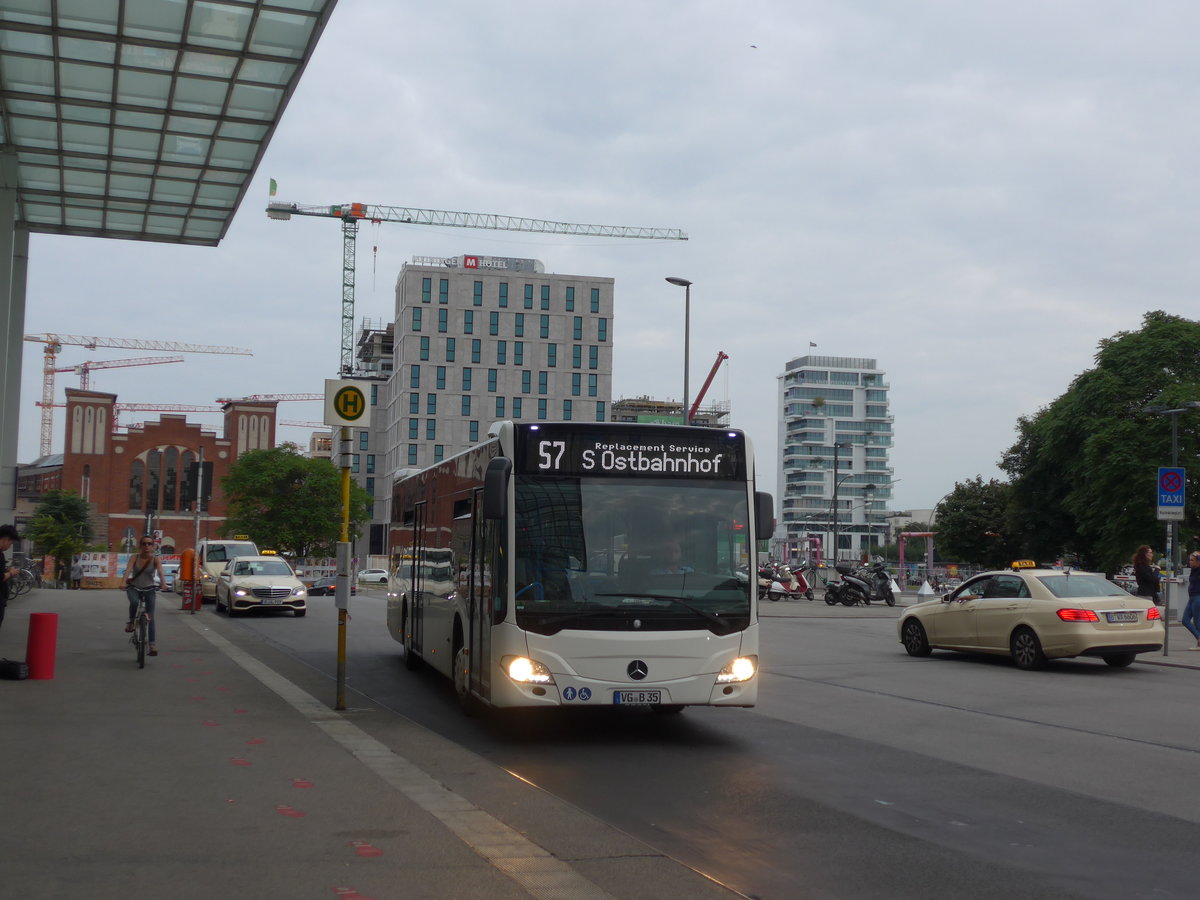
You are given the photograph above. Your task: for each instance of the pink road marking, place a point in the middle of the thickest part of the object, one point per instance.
(241, 712)
(239, 761)
(350, 893)
(362, 848)
(301, 783)
(209, 723)
(289, 811)
(256, 741)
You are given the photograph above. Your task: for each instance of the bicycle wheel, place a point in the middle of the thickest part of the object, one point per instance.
(142, 639)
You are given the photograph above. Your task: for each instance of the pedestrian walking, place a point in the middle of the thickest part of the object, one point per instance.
(8, 534)
(1191, 612)
(77, 574)
(1146, 573)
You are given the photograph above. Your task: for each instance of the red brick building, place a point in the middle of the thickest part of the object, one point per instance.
(139, 480)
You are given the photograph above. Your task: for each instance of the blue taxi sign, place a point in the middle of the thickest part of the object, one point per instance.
(1172, 485)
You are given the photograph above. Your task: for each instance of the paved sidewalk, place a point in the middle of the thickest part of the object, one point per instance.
(216, 772)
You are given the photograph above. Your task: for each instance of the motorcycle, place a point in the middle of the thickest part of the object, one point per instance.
(781, 583)
(863, 586)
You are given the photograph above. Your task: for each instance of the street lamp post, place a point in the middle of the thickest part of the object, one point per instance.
(687, 324)
(869, 490)
(836, 483)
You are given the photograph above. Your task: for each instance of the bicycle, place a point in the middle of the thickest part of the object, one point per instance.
(24, 581)
(141, 627)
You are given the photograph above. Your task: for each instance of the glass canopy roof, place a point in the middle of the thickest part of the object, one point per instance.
(145, 119)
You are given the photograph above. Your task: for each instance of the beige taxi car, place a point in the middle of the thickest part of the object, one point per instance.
(1034, 615)
(260, 582)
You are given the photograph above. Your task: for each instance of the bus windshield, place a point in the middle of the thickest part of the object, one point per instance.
(631, 554)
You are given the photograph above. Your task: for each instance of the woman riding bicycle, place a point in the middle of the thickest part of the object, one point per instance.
(139, 583)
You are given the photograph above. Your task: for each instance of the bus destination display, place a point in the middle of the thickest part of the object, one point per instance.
(671, 453)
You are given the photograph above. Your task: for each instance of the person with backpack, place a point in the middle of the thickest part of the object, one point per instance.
(140, 582)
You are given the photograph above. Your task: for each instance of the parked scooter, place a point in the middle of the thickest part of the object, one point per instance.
(864, 585)
(778, 582)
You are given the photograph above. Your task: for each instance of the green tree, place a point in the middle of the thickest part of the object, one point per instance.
(1084, 468)
(61, 525)
(972, 524)
(289, 502)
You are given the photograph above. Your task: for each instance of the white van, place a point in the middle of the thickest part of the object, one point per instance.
(211, 557)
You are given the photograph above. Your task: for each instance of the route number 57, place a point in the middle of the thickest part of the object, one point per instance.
(550, 454)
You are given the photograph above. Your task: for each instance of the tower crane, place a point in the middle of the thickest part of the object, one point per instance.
(721, 357)
(352, 214)
(84, 369)
(280, 397)
(55, 342)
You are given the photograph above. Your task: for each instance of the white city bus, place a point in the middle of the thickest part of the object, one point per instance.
(589, 565)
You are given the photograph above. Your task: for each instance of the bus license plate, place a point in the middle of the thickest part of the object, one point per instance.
(637, 698)
(1122, 616)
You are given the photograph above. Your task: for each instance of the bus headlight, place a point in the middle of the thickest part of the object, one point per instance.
(524, 670)
(741, 669)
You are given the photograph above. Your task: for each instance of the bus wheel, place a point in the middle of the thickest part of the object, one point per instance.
(462, 686)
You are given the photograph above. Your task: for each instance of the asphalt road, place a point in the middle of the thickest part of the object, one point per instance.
(862, 773)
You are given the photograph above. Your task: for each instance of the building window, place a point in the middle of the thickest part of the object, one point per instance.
(466, 405)
(354, 463)
(449, 349)
(545, 296)
(519, 325)
(416, 318)
(466, 384)
(374, 395)
(595, 300)
(363, 438)
(501, 352)
(543, 382)
(430, 429)
(441, 378)
(492, 380)
(443, 290)
(476, 350)
(493, 323)
(499, 407)
(545, 326)
(473, 432)
(516, 407)
(414, 429)
(371, 486)
(526, 382)
(542, 408)
(599, 410)
(414, 376)
(577, 328)
(412, 454)
(577, 356)
(477, 294)
(438, 452)
(424, 347)
(570, 301)
(503, 295)
(370, 463)
(414, 404)
(593, 357)
(443, 320)
(551, 355)
(426, 290)
(529, 296)
(576, 383)
(566, 410)
(602, 329)
(431, 404)
(468, 321)
(518, 353)
(593, 384)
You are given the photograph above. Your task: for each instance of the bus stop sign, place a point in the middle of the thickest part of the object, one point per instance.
(1172, 482)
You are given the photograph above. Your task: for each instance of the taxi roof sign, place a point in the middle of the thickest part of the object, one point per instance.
(1024, 564)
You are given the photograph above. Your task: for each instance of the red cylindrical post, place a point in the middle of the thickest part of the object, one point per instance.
(42, 644)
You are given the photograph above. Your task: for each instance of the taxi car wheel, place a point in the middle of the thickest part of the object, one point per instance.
(915, 641)
(1027, 650)
(1120, 660)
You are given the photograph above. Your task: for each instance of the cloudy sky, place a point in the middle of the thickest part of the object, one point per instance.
(974, 194)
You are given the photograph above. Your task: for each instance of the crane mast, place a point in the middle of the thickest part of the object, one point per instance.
(352, 214)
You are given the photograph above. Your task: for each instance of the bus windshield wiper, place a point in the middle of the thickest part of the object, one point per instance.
(704, 614)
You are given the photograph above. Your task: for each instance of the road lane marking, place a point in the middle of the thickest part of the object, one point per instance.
(531, 866)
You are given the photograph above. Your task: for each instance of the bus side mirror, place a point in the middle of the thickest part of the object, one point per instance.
(764, 515)
(495, 488)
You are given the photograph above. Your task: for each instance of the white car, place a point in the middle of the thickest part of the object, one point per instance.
(373, 576)
(260, 582)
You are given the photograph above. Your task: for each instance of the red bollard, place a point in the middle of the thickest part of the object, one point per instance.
(43, 640)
